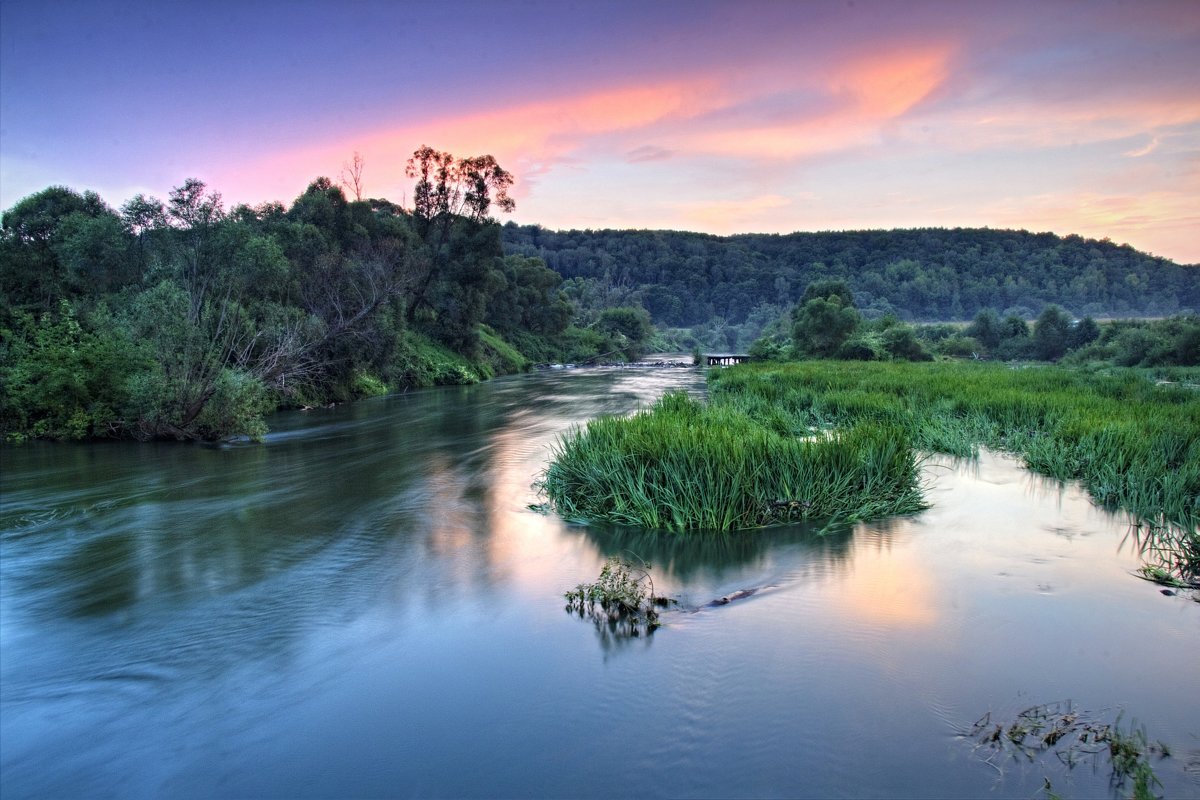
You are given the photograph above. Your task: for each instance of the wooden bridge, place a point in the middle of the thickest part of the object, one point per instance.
(726, 359)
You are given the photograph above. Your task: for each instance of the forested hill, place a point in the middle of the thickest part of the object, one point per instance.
(685, 279)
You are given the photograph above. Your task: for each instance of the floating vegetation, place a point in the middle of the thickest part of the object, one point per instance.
(1074, 737)
(1134, 445)
(622, 600)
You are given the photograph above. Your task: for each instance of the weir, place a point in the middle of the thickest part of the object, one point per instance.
(726, 359)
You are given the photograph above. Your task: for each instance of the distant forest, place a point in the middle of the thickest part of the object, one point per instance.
(929, 274)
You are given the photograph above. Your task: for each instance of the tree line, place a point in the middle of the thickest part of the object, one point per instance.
(933, 274)
(827, 324)
(186, 319)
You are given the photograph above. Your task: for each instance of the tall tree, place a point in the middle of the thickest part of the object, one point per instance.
(824, 319)
(1051, 333)
(453, 195)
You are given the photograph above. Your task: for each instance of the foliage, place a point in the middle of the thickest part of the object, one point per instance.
(60, 380)
(627, 329)
(824, 319)
(622, 598)
(226, 314)
(687, 279)
(1051, 333)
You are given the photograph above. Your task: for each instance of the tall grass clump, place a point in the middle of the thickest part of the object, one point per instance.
(683, 465)
(1134, 445)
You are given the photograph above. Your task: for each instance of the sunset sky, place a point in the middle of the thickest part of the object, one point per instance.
(724, 117)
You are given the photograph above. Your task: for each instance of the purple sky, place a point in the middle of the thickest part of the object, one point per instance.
(715, 116)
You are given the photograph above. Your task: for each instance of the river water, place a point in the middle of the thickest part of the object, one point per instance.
(365, 606)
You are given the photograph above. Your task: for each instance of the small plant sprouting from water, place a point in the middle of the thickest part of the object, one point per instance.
(622, 598)
(1075, 737)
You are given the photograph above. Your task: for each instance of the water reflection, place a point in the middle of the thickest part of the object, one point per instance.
(364, 602)
(705, 557)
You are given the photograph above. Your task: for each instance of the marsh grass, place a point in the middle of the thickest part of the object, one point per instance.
(828, 439)
(1134, 445)
(683, 465)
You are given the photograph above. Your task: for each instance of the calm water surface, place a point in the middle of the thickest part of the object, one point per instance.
(365, 606)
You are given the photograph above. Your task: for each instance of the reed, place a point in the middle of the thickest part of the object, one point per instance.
(1133, 444)
(683, 465)
(779, 442)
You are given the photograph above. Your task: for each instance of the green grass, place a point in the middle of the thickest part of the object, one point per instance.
(683, 465)
(1133, 445)
(750, 457)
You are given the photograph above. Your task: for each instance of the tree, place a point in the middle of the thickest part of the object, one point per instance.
(453, 194)
(824, 319)
(449, 187)
(32, 275)
(1083, 333)
(528, 297)
(986, 328)
(827, 289)
(900, 342)
(194, 214)
(351, 177)
(628, 328)
(1051, 333)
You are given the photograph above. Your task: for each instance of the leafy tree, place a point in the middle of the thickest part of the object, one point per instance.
(32, 275)
(449, 187)
(828, 289)
(60, 380)
(901, 343)
(686, 279)
(1083, 333)
(527, 296)
(451, 201)
(1051, 333)
(628, 329)
(824, 319)
(987, 329)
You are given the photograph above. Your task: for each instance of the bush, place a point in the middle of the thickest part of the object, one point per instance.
(900, 342)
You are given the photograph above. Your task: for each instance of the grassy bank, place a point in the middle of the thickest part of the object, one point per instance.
(1133, 444)
(730, 464)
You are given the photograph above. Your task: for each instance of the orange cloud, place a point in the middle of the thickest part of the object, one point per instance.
(524, 138)
(871, 92)
(887, 86)
(679, 114)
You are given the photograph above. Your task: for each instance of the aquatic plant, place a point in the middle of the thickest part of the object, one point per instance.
(1074, 737)
(622, 598)
(1134, 445)
(684, 465)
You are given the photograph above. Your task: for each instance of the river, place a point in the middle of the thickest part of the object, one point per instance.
(364, 605)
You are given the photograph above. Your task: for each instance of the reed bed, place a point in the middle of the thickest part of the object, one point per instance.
(683, 465)
(828, 439)
(1134, 445)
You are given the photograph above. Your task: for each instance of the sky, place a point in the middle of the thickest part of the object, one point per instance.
(725, 117)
